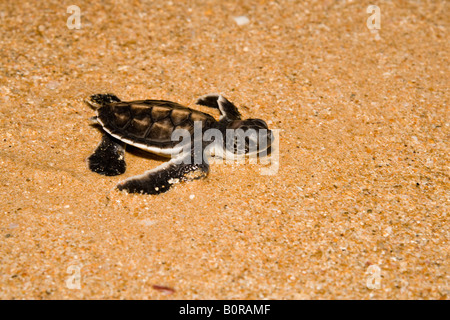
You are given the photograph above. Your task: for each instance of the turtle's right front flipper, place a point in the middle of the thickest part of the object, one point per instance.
(161, 178)
(108, 158)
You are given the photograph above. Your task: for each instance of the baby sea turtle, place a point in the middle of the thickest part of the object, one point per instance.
(150, 125)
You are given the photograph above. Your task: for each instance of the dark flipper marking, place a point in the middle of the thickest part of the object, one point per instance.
(209, 100)
(108, 158)
(216, 101)
(161, 178)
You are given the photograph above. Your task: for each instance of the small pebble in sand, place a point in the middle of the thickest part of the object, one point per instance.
(164, 289)
(148, 222)
(192, 196)
(241, 20)
(52, 85)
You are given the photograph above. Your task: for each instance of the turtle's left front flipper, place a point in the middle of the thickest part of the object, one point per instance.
(108, 158)
(227, 109)
(161, 178)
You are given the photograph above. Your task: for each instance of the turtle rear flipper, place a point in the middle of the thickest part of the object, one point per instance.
(227, 109)
(108, 158)
(161, 178)
(99, 100)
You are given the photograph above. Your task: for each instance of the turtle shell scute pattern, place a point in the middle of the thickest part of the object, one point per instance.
(150, 122)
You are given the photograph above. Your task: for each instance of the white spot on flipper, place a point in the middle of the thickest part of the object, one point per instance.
(174, 180)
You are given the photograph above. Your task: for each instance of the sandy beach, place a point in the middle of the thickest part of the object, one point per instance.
(357, 207)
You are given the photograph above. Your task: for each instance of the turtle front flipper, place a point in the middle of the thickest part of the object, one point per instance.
(108, 158)
(227, 109)
(161, 178)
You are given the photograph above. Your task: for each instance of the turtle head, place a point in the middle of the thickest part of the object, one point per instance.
(99, 100)
(251, 136)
